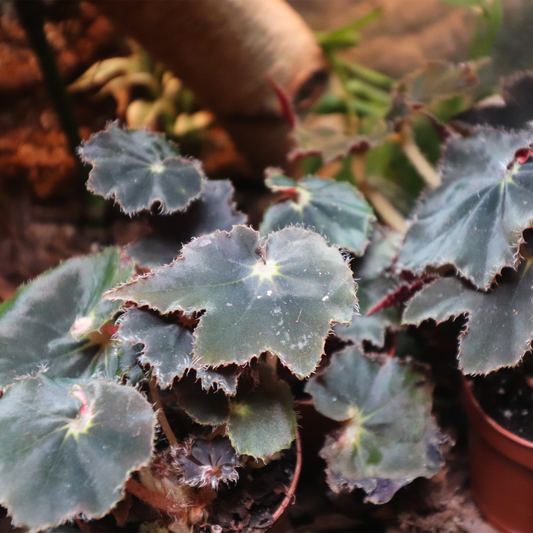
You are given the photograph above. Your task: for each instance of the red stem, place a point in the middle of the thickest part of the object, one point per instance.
(286, 106)
(81, 524)
(152, 498)
(292, 489)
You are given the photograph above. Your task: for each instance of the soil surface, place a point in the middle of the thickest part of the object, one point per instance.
(507, 397)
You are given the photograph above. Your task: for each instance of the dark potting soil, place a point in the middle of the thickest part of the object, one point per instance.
(248, 506)
(507, 397)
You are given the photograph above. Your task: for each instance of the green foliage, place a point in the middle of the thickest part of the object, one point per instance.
(499, 329)
(335, 210)
(439, 80)
(388, 436)
(138, 168)
(374, 285)
(260, 418)
(204, 407)
(263, 421)
(331, 144)
(210, 321)
(490, 14)
(167, 346)
(475, 220)
(214, 210)
(73, 443)
(347, 36)
(54, 323)
(280, 297)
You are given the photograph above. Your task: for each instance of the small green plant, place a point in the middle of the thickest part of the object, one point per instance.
(146, 95)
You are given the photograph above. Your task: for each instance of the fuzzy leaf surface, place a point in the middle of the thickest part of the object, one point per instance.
(214, 210)
(67, 447)
(279, 297)
(475, 219)
(334, 209)
(262, 422)
(373, 287)
(500, 324)
(138, 168)
(223, 378)
(208, 463)
(167, 346)
(372, 328)
(389, 437)
(48, 324)
(114, 361)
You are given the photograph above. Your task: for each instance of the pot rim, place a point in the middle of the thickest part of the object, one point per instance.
(506, 442)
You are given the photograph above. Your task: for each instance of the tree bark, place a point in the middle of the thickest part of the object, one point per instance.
(226, 51)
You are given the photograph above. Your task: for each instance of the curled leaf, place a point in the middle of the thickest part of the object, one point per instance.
(167, 346)
(207, 462)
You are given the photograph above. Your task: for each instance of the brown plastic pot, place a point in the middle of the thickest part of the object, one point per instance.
(502, 470)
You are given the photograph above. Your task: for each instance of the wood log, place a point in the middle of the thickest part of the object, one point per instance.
(226, 51)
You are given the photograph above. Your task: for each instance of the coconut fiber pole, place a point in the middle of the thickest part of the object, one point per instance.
(233, 54)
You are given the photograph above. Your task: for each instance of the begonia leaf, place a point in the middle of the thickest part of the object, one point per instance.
(138, 168)
(262, 422)
(388, 437)
(372, 328)
(334, 209)
(167, 346)
(374, 285)
(440, 80)
(222, 378)
(280, 296)
(114, 361)
(514, 112)
(499, 328)
(204, 407)
(67, 448)
(207, 462)
(52, 323)
(475, 220)
(332, 143)
(213, 210)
